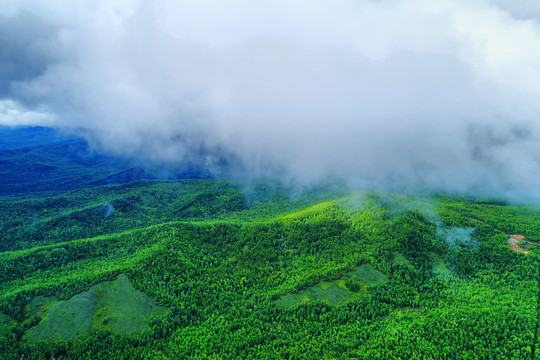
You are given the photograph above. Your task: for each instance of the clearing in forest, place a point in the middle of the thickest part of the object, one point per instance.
(399, 259)
(115, 306)
(352, 285)
(515, 241)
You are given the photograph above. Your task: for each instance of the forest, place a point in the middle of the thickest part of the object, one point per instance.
(213, 269)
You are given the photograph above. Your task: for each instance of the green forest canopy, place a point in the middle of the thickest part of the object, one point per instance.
(260, 272)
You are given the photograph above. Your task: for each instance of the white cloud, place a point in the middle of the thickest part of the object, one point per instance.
(13, 114)
(401, 91)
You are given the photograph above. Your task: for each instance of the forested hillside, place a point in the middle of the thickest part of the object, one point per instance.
(259, 271)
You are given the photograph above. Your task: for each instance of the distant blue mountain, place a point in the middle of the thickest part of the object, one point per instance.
(25, 136)
(59, 166)
(126, 176)
(36, 159)
(40, 159)
(192, 171)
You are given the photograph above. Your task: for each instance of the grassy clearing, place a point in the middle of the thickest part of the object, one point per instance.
(399, 259)
(124, 309)
(352, 285)
(66, 320)
(114, 306)
(367, 274)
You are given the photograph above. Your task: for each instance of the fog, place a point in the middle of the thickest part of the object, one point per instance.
(391, 93)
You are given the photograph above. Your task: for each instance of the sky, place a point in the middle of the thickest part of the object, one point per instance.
(383, 93)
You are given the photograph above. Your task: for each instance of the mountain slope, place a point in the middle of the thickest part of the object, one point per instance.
(56, 167)
(447, 293)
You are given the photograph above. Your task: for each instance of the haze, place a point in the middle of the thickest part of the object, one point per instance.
(436, 93)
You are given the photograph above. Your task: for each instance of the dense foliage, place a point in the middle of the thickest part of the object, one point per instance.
(220, 256)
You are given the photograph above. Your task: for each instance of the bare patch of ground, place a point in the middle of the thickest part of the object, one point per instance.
(480, 221)
(515, 241)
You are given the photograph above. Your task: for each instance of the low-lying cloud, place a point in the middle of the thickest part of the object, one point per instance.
(442, 93)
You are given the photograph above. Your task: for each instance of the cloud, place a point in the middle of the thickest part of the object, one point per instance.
(13, 114)
(523, 9)
(440, 93)
(23, 54)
